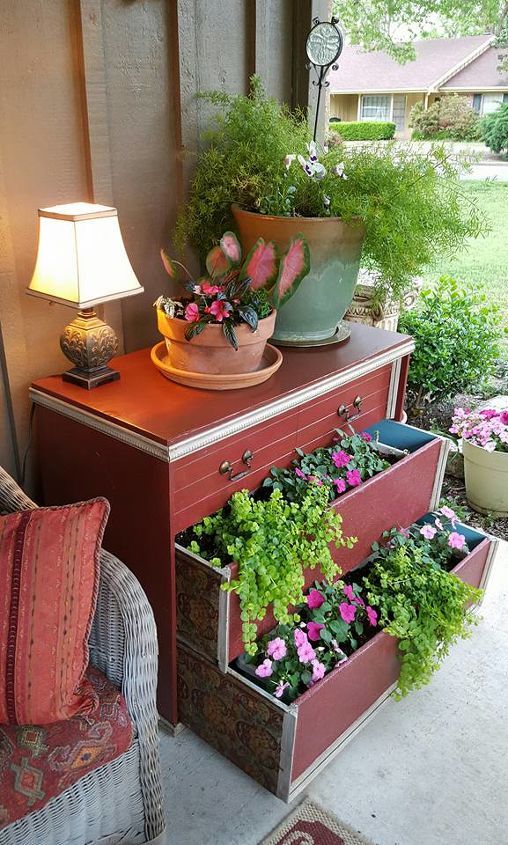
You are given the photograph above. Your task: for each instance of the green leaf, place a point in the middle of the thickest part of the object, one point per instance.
(229, 332)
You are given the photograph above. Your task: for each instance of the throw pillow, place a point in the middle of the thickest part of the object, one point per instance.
(49, 576)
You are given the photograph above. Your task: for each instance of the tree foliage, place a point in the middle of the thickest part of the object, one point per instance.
(378, 25)
(495, 129)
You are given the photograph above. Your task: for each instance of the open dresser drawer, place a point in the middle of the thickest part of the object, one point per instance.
(208, 618)
(284, 746)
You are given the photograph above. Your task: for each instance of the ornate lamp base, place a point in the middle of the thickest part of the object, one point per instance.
(90, 344)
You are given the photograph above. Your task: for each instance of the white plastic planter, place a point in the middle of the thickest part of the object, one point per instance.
(486, 475)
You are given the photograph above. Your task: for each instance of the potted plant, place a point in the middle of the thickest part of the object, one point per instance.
(261, 172)
(232, 309)
(485, 448)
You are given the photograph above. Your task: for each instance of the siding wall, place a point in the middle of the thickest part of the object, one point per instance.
(344, 106)
(97, 103)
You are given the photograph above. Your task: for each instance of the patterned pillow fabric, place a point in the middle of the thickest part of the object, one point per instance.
(49, 576)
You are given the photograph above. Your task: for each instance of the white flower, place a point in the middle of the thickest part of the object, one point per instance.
(312, 151)
(288, 161)
(326, 200)
(319, 170)
(339, 170)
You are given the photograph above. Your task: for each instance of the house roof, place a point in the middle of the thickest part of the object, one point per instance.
(481, 74)
(437, 59)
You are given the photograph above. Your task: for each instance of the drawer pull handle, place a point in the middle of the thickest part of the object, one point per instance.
(346, 411)
(226, 467)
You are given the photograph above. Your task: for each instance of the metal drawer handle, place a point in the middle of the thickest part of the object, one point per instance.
(226, 467)
(345, 411)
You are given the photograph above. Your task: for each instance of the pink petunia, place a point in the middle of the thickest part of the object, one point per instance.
(279, 689)
(318, 671)
(219, 309)
(276, 649)
(192, 312)
(314, 629)
(456, 540)
(340, 485)
(428, 531)
(341, 458)
(353, 477)
(347, 611)
(371, 615)
(366, 436)
(264, 670)
(315, 599)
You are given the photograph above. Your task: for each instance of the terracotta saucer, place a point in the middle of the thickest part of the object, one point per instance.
(270, 363)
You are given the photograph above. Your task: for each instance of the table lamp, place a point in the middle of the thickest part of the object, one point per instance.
(81, 261)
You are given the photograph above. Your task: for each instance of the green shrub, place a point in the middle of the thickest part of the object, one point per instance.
(364, 130)
(495, 129)
(457, 333)
(411, 205)
(450, 118)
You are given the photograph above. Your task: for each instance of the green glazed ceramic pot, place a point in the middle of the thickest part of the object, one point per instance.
(323, 297)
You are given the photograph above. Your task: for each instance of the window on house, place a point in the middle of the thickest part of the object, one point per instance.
(399, 112)
(491, 102)
(477, 103)
(375, 107)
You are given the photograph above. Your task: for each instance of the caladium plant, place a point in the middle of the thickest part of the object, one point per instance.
(236, 291)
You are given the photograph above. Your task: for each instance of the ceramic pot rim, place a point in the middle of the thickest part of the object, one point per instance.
(235, 207)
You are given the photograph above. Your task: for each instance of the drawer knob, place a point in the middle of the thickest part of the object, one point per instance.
(227, 468)
(347, 412)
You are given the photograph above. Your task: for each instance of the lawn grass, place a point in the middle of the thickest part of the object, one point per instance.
(484, 261)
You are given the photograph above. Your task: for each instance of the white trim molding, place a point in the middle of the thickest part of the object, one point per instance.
(209, 436)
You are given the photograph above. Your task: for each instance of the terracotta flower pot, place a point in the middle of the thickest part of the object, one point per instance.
(210, 352)
(486, 475)
(325, 294)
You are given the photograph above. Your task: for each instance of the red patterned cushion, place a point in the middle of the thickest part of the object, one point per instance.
(39, 762)
(49, 575)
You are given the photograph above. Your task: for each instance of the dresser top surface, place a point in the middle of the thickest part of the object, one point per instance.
(145, 402)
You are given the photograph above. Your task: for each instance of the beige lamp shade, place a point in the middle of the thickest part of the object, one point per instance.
(81, 258)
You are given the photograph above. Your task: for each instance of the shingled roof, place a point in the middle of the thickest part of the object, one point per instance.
(438, 60)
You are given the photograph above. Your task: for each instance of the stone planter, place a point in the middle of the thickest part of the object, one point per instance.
(386, 316)
(321, 300)
(486, 475)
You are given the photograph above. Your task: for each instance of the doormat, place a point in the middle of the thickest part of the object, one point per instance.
(309, 824)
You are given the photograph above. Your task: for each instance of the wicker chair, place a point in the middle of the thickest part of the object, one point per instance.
(120, 802)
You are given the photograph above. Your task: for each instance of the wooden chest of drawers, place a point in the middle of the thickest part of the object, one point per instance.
(166, 455)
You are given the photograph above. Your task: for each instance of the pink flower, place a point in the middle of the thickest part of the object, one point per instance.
(300, 637)
(347, 611)
(341, 459)
(299, 473)
(371, 615)
(489, 413)
(219, 309)
(316, 480)
(315, 599)
(313, 630)
(192, 312)
(456, 540)
(210, 290)
(504, 417)
(264, 670)
(348, 592)
(340, 485)
(353, 477)
(276, 648)
(306, 653)
(279, 689)
(366, 436)
(318, 671)
(428, 531)
(449, 514)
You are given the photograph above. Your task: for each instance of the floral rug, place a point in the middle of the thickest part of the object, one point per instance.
(309, 824)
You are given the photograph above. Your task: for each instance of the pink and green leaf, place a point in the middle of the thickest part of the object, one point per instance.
(294, 266)
(261, 264)
(217, 263)
(168, 265)
(230, 246)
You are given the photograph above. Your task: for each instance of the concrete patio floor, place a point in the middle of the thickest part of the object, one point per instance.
(429, 770)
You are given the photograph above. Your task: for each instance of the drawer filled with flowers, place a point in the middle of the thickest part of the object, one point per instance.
(240, 569)
(288, 704)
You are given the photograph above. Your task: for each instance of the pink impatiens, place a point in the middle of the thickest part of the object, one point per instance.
(456, 540)
(277, 648)
(264, 670)
(428, 531)
(315, 599)
(314, 629)
(340, 485)
(347, 611)
(353, 477)
(192, 312)
(341, 459)
(318, 671)
(487, 428)
(371, 615)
